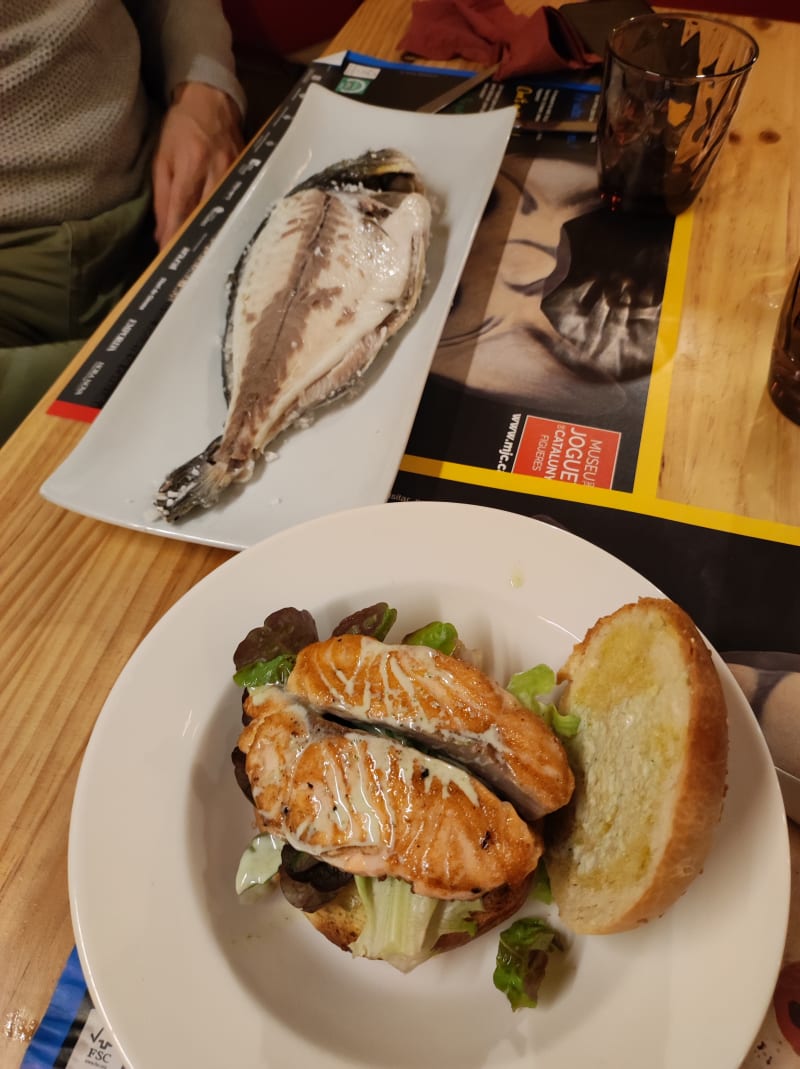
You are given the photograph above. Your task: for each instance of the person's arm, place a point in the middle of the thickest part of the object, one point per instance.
(200, 137)
(201, 131)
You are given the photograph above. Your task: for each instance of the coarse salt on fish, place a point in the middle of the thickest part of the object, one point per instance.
(333, 272)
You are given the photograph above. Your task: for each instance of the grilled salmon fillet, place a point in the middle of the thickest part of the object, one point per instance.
(445, 703)
(373, 807)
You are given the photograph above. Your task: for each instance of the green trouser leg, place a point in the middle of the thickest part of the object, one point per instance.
(27, 372)
(57, 283)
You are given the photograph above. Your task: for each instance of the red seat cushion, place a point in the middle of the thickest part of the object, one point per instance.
(282, 28)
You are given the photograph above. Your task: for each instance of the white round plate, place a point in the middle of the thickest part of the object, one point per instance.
(186, 975)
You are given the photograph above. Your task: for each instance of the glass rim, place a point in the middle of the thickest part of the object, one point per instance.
(676, 16)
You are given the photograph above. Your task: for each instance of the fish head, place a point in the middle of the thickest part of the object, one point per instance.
(384, 170)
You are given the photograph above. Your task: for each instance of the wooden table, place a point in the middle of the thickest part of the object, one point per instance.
(77, 596)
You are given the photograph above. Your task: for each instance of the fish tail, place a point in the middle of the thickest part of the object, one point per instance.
(195, 484)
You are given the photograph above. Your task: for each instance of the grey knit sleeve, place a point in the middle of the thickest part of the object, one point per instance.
(187, 41)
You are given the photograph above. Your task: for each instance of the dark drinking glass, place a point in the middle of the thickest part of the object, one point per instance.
(784, 371)
(671, 85)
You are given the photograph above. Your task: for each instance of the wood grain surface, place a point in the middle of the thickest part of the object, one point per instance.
(77, 596)
(727, 447)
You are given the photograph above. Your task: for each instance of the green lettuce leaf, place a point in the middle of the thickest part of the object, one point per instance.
(260, 673)
(528, 687)
(258, 865)
(522, 957)
(402, 928)
(437, 634)
(540, 888)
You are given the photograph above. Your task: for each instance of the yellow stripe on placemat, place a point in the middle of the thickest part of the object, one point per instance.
(620, 500)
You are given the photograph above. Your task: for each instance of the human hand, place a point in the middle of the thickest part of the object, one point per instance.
(200, 137)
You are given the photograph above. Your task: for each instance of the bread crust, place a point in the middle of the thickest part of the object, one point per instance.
(691, 806)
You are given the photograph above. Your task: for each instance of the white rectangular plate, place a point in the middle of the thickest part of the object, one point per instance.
(170, 404)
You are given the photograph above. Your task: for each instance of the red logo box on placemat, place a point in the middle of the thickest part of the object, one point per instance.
(567, 452)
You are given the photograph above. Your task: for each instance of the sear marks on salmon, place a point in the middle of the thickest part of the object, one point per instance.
(444, 703)
(371, 806)
(333, 272)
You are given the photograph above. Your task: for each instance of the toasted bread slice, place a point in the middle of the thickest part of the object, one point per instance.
(650, 763)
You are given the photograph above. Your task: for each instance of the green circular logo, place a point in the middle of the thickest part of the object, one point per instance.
(353, 86)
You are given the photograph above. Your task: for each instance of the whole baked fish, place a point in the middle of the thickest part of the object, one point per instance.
(334, 271)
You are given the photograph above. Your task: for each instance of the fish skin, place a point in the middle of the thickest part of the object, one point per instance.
(333, 272)
(383, 170)
(444, 703)
(371, 806)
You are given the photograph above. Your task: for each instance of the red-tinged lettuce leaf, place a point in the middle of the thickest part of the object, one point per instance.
(285, 631)
(375, 621)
